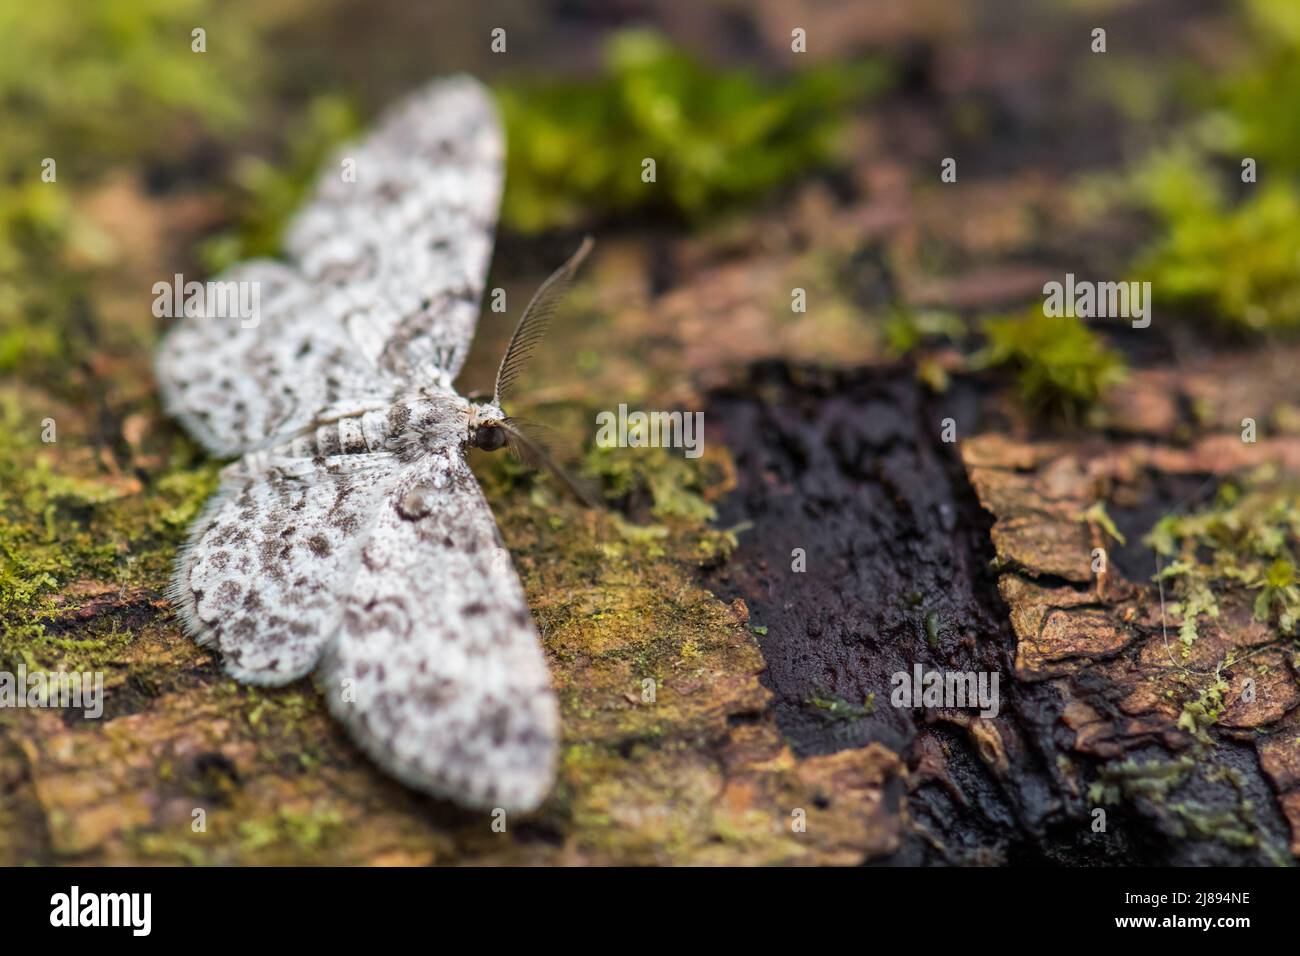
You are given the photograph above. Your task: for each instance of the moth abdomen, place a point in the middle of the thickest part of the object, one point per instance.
(353, 436)
(349, 435)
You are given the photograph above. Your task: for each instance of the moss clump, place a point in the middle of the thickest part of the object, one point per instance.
(717, 137)
(907, 329)
(1256, 102)
(1197, 600)
(1062, 367)
(835, 709)
(1203, 712)
(72, 531)
(1247, 539)
(1234, 258)
(1152, 779)
(1278, 595)
(85, 82)
(1098, 516)
(307, 831)
(1237, 262)
(672, 483)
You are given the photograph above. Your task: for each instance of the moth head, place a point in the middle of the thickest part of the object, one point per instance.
(487, 427)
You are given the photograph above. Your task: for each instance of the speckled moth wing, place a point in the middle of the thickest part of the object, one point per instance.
(386, 268)
(403, 220)
(437, 671)
(238, 387)
(262, 575)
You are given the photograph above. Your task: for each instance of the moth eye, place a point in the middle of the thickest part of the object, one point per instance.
(489, 437)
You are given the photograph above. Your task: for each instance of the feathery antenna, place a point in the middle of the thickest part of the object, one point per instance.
(533, 323)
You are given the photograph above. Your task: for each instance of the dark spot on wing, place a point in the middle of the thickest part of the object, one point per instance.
(227, 594)
(499, 725)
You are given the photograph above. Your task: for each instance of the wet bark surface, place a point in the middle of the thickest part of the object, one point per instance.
(901, 572)
(848, 468)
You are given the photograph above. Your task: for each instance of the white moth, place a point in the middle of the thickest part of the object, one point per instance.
(350, 540)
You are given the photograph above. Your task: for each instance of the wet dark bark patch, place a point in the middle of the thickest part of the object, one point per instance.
(850, 467)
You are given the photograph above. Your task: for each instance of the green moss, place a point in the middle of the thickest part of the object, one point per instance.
(1234, 261)
(1206, 823)
(1152, 779)
(83, 82)
(1197, 600)
(907, 329)
(86, 519)
(717, 137)
(1278, 595)
(932, 630)
(59, 528)
(39, 289)
(1097, 515)
(1062, 367)
(672, 482)
(1203, 712)
(835, 709)
(306, 831)
(1221, 810)
(1257, 100)
(1247, 539)
(717, 545)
